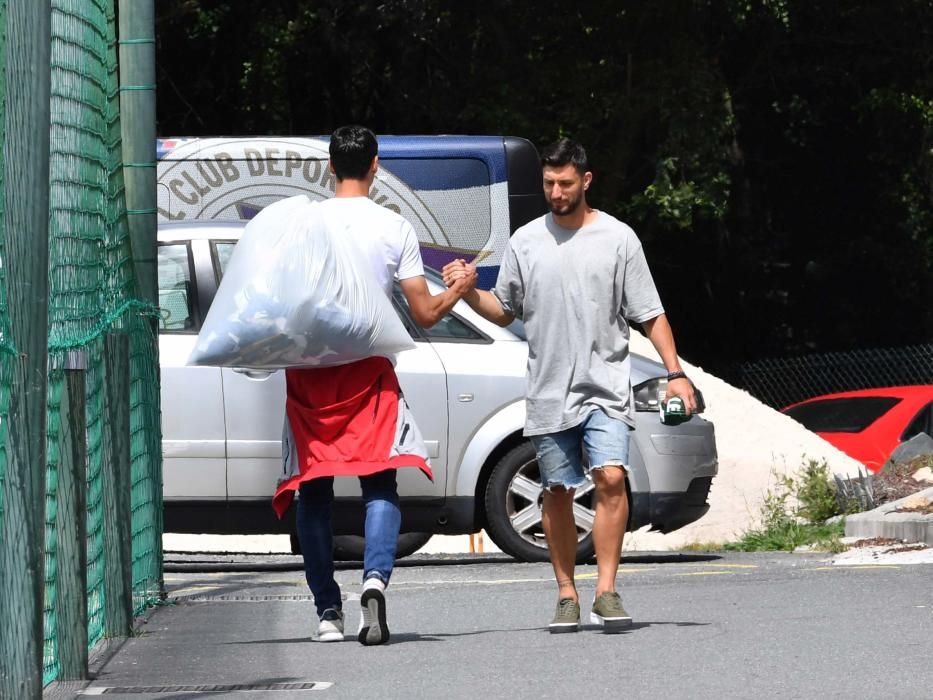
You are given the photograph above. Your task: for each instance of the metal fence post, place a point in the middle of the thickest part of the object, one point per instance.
(138, 123)
(118, 536)
(72, 523)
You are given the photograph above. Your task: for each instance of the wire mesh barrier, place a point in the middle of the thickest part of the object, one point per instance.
(102, 507)
(780, 382)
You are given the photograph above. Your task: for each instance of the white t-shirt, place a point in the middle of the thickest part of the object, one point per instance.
(382, 238)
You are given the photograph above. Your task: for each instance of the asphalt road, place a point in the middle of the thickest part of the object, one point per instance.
(706, 626)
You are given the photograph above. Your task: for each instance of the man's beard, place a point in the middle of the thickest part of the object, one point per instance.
(569, 208)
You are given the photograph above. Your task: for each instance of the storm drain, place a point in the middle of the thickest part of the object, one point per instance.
(209, 688)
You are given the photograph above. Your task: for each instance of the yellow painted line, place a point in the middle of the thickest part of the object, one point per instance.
(595, 574)
(731, 566)
(504, 581)
(292, 582)
(867, 566)
(201, 574)
(473, 582)
(824, 568)
(201, 587)
(708, 573)
(191, 589)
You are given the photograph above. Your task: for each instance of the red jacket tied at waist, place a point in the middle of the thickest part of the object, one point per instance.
(349, 420)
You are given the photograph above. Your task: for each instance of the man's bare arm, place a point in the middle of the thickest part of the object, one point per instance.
(482, 302)
(426, 308)
(659, 332)
(487, 305)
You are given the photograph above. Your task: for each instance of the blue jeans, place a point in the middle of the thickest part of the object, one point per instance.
(315, 533)
(565, 458)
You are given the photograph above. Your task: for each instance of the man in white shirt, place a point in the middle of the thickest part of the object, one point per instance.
(387, 244)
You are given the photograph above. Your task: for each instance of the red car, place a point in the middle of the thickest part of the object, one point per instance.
(868, 424)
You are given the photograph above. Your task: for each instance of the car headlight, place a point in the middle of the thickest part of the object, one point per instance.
(650, 394)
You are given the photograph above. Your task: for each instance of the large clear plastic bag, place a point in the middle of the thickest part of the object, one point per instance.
(292, 295)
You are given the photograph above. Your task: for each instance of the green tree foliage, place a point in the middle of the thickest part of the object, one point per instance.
(774, 155)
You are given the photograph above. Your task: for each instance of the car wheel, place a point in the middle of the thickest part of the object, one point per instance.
(513, 508)
(351, 547)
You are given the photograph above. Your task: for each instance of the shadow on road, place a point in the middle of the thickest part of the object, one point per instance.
(667, 557)
(204, 563)
(404, 637)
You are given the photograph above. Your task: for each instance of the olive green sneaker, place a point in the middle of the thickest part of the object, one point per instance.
(567, 617)
(609, 613)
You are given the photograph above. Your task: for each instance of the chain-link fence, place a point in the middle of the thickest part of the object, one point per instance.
(101, 546)
(781, 382)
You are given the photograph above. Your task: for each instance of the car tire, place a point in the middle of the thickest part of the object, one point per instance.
(513, 508)
(351, 547)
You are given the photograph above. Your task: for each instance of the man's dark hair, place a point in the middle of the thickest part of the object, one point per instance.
(352, 149)
(565, 151)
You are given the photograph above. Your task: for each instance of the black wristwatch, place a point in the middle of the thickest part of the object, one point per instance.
(679, 374)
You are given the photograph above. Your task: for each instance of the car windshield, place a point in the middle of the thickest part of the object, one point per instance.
(848, 415)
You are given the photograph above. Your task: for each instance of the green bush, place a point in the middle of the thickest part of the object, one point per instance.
(816, 493)
(785, 526)
(789, 535)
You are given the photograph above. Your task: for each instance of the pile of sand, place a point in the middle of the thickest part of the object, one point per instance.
(754, 442)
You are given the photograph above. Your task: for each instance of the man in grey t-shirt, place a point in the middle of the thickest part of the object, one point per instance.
(575, 277)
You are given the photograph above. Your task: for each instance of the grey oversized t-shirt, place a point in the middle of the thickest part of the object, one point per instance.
(574, 290)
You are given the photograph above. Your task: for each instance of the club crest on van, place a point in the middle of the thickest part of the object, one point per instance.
(456, 215)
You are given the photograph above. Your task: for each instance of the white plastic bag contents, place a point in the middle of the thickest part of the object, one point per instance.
(292, 295)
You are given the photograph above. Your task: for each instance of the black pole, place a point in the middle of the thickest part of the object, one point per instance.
(118, 538)
(72, 523)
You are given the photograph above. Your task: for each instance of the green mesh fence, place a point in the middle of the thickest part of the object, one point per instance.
(92, 295)
(6, 347)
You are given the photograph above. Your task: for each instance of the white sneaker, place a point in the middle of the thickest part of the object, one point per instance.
(330, 628)
(373, 627)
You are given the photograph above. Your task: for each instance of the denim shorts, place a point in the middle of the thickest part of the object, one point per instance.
(564, 458)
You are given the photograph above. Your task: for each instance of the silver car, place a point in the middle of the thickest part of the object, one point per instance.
(465, 382)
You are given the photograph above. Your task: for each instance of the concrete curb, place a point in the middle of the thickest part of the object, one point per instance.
(885, 522)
